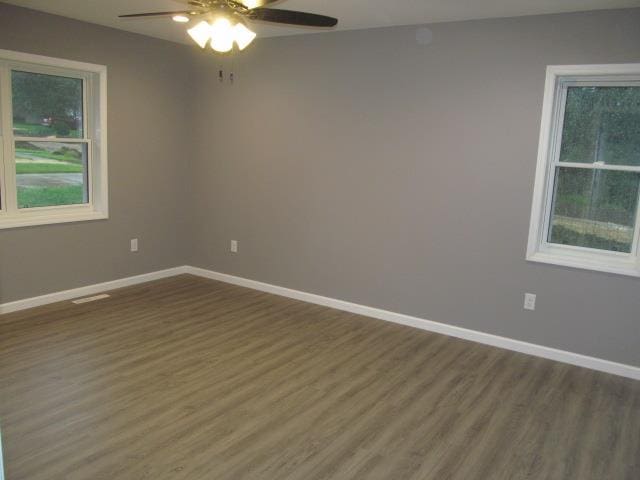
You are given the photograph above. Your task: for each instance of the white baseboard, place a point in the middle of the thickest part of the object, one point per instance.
(428, 325)
(431, 326)
(88, 290)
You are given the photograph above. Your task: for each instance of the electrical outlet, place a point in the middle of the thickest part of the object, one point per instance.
(134, 244)
(234, 246)
(529, 301)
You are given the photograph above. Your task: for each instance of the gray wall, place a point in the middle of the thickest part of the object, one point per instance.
(359, 165)
(149, 150)
(364, 166)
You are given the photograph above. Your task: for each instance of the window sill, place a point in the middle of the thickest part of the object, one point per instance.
(30, 220)
(588, 262)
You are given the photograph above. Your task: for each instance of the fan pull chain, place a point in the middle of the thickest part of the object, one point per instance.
(233, 69)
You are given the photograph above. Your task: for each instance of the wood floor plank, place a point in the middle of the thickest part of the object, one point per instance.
(188, 378)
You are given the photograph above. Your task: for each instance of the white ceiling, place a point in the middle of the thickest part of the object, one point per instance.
(352, 14)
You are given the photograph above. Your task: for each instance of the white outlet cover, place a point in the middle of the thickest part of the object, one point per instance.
(134, 244)
(234, 246)
(529, 301)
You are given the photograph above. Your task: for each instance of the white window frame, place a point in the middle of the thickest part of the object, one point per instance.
(95, 137)
(539, 249)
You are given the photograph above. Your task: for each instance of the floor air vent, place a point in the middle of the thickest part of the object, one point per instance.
(90, 299)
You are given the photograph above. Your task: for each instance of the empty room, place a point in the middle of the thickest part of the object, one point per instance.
(320, 240)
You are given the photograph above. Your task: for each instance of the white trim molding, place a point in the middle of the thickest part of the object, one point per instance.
(563, 356)
(89, 290)
(539, 248)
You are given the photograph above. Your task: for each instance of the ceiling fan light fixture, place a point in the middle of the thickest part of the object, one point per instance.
(243, 36)
(180, 18)
(201, 33)
(222, 35)
(225, 21)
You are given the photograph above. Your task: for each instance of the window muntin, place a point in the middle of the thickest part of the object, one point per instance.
(53, 163)
(586, 197)
(49, 173)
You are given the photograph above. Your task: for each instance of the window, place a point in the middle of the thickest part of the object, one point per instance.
(53, 155)
(586, 198)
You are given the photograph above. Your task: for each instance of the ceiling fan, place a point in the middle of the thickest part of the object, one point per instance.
(224, 22)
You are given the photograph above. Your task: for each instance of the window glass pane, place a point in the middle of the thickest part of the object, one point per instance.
(51, 174)
(46, 105)
(594, 208)
(602, 124)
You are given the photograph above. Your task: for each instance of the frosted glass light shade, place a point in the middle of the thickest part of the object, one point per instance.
(201, 33)
(243, 36)
(222, 35)
(251, 3)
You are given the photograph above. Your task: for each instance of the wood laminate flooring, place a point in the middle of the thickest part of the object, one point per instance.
(187, 378)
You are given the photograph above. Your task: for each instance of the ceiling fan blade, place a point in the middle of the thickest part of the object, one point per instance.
(155, 14)
(256, 3)
(291, 18)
